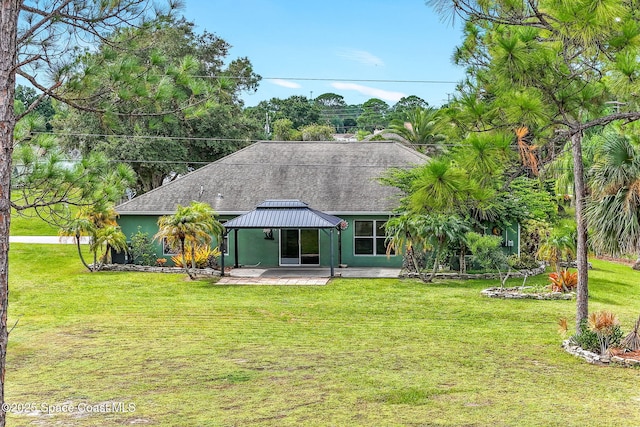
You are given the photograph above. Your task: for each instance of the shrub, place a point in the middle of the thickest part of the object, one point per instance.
(566, 281)
(487, 252)
(523, 262)
(142, 249)
(599, 333)
(586, 339)
(203, 255)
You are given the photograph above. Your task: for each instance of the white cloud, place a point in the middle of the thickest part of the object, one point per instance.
(385, 95)
(362, 57)
(285, 83)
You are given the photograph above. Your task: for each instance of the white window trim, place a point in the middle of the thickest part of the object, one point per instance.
(374, 237)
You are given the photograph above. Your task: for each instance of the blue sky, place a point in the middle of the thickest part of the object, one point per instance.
(346, 42)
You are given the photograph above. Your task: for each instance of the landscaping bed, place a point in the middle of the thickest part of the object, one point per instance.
(154, 269)
(617, 357)
(525, 292)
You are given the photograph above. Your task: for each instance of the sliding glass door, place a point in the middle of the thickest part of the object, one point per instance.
(299, 247)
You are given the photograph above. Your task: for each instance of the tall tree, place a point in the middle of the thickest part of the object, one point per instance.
(37, 37)
(402, 108)
(333, 110)
(27, 96)
(45, 184)
(374, 115)
(551, 66)
(157, 70)
(300, 110)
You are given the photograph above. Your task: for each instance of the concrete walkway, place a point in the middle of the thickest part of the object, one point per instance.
(274, 281)
(301, 276)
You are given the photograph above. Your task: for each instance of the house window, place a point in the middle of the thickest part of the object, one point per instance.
(168, 249)
(369, 238)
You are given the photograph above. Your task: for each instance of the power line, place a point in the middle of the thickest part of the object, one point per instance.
(193, 138)
(340, 80)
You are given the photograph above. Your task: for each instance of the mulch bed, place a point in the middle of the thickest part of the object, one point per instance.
(633, 355)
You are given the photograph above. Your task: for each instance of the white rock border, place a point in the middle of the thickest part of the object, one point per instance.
(152, 269)
(517, 293)
(596, 359)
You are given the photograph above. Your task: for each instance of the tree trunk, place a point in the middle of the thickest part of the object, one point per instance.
(184, 260)
(94, 267)
(414, 261)
(435, 267)
(77, 237)
(505, 278)
(582, 294)
(9, 10)
(463, 260)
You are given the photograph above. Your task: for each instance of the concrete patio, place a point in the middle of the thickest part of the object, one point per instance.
(300, 276)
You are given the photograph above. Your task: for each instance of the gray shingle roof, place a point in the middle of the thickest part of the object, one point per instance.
(333, 177)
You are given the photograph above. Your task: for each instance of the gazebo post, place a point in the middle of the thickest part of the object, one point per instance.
(221, 245)
(235, 246)
(339, 247)
(331, 250)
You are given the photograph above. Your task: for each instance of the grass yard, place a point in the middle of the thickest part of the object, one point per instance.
(353, 353)
(28, 226)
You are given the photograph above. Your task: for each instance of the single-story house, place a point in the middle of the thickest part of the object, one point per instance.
(327, 182)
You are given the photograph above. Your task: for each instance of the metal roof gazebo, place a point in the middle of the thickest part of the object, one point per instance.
(280, 214)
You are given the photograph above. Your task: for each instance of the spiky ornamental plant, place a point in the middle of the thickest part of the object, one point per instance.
(551, 66)
(605, 325)
(632, 341)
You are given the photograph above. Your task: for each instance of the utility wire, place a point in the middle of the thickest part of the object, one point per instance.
(338, 80)
(193, 138)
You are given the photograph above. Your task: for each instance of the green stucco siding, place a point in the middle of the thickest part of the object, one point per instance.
(254, 250)
(349, 256)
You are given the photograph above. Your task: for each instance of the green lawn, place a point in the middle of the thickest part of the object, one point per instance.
(30, 226)
(353, 353)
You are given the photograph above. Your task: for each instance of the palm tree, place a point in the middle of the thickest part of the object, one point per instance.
(439, 186)
(89, 221)
(484, 156)
(613, 209)
(78, 227)
(441, 231)
(205, 225)
(112, 237)
(414, 233)
(403, 236)
(422, 129)
(560, 246)
(193, 224)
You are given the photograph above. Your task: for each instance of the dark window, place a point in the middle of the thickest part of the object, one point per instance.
(370, 238)
(168, 249)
